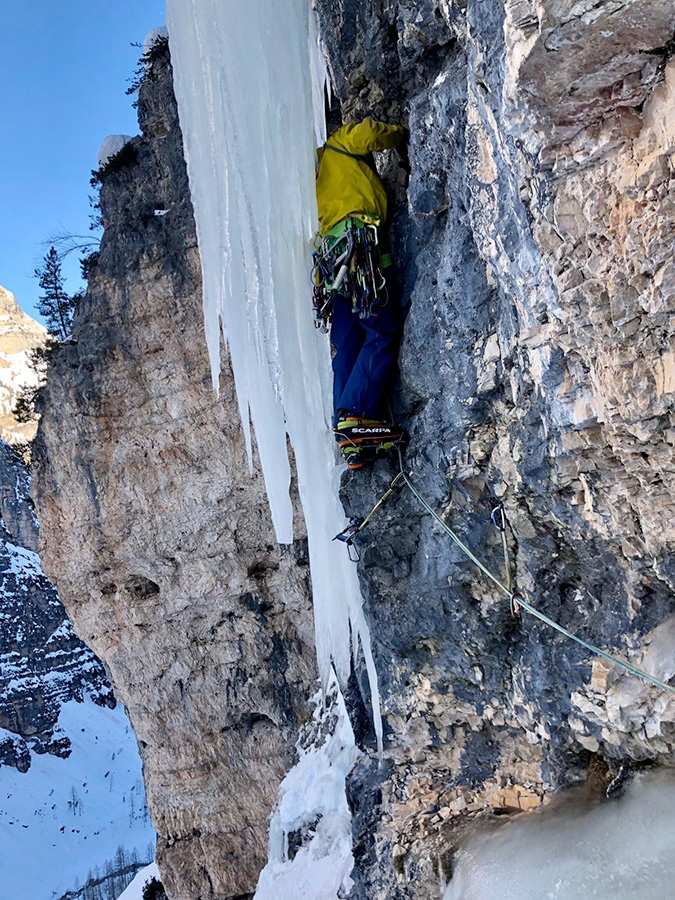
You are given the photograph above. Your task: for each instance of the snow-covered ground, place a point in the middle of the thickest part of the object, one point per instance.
(66, 817)
(135, 889)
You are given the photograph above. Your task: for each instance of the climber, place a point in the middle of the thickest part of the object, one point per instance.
(354, 287)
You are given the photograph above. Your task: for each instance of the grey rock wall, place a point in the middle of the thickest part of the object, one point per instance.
(16, 506)
(534, 241)
(159, 538)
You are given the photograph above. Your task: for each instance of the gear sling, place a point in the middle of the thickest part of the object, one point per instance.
(348, 261)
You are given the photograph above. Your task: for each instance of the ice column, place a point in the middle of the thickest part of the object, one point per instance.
(243, 78)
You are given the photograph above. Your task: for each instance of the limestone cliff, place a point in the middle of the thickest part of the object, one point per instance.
(534, 243)
(158, 537)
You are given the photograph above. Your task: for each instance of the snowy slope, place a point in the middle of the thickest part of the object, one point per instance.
(42, 662)
(135, 889)
(65, 817)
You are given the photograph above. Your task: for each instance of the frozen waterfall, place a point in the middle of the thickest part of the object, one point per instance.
(249, 84)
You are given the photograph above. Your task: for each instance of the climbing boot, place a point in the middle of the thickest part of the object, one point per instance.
(355, 457)
(367, 434)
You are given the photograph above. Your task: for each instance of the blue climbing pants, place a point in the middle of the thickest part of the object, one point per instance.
(365, 353)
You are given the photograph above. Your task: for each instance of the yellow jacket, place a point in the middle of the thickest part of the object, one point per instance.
(345, 185)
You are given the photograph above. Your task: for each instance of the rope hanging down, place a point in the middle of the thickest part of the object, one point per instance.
(516, 599)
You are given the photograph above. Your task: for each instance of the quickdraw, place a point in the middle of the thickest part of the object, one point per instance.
(347, 535)
(347, 263)
(498, 519)
(358, 523)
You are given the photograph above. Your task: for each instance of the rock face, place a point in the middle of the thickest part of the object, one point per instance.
(19, 334)
(42, 663)
(537, 370)
(534, 241)
(159, 538)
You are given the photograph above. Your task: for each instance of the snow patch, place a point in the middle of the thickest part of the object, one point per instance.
(134, 890)
(152, 37)
(65, 630)
(23, 563)
(111, 146)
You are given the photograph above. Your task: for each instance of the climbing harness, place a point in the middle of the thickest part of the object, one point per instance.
(516, 598)
(364, 158)
(348, 263)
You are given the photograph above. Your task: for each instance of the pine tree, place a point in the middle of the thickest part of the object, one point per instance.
(55, 304)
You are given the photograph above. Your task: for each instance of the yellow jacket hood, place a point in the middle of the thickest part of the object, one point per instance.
(346, 182)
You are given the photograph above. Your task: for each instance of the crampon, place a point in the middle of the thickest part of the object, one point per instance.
(361, 441)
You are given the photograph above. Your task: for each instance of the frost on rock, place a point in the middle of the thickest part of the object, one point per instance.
(14, 751)
(243, 79)
(23, 564)
(111, 146)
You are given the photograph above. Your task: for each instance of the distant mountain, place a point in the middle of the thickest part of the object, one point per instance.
(19, 334)
(42, 663)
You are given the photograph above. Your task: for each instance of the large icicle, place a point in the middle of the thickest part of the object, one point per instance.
(243, 77)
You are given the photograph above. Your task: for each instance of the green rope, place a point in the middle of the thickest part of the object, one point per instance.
(462, 546)
(608, 656)
(517, 599)
(390, 490)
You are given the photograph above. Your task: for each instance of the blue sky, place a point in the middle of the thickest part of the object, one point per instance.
(65, 69)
